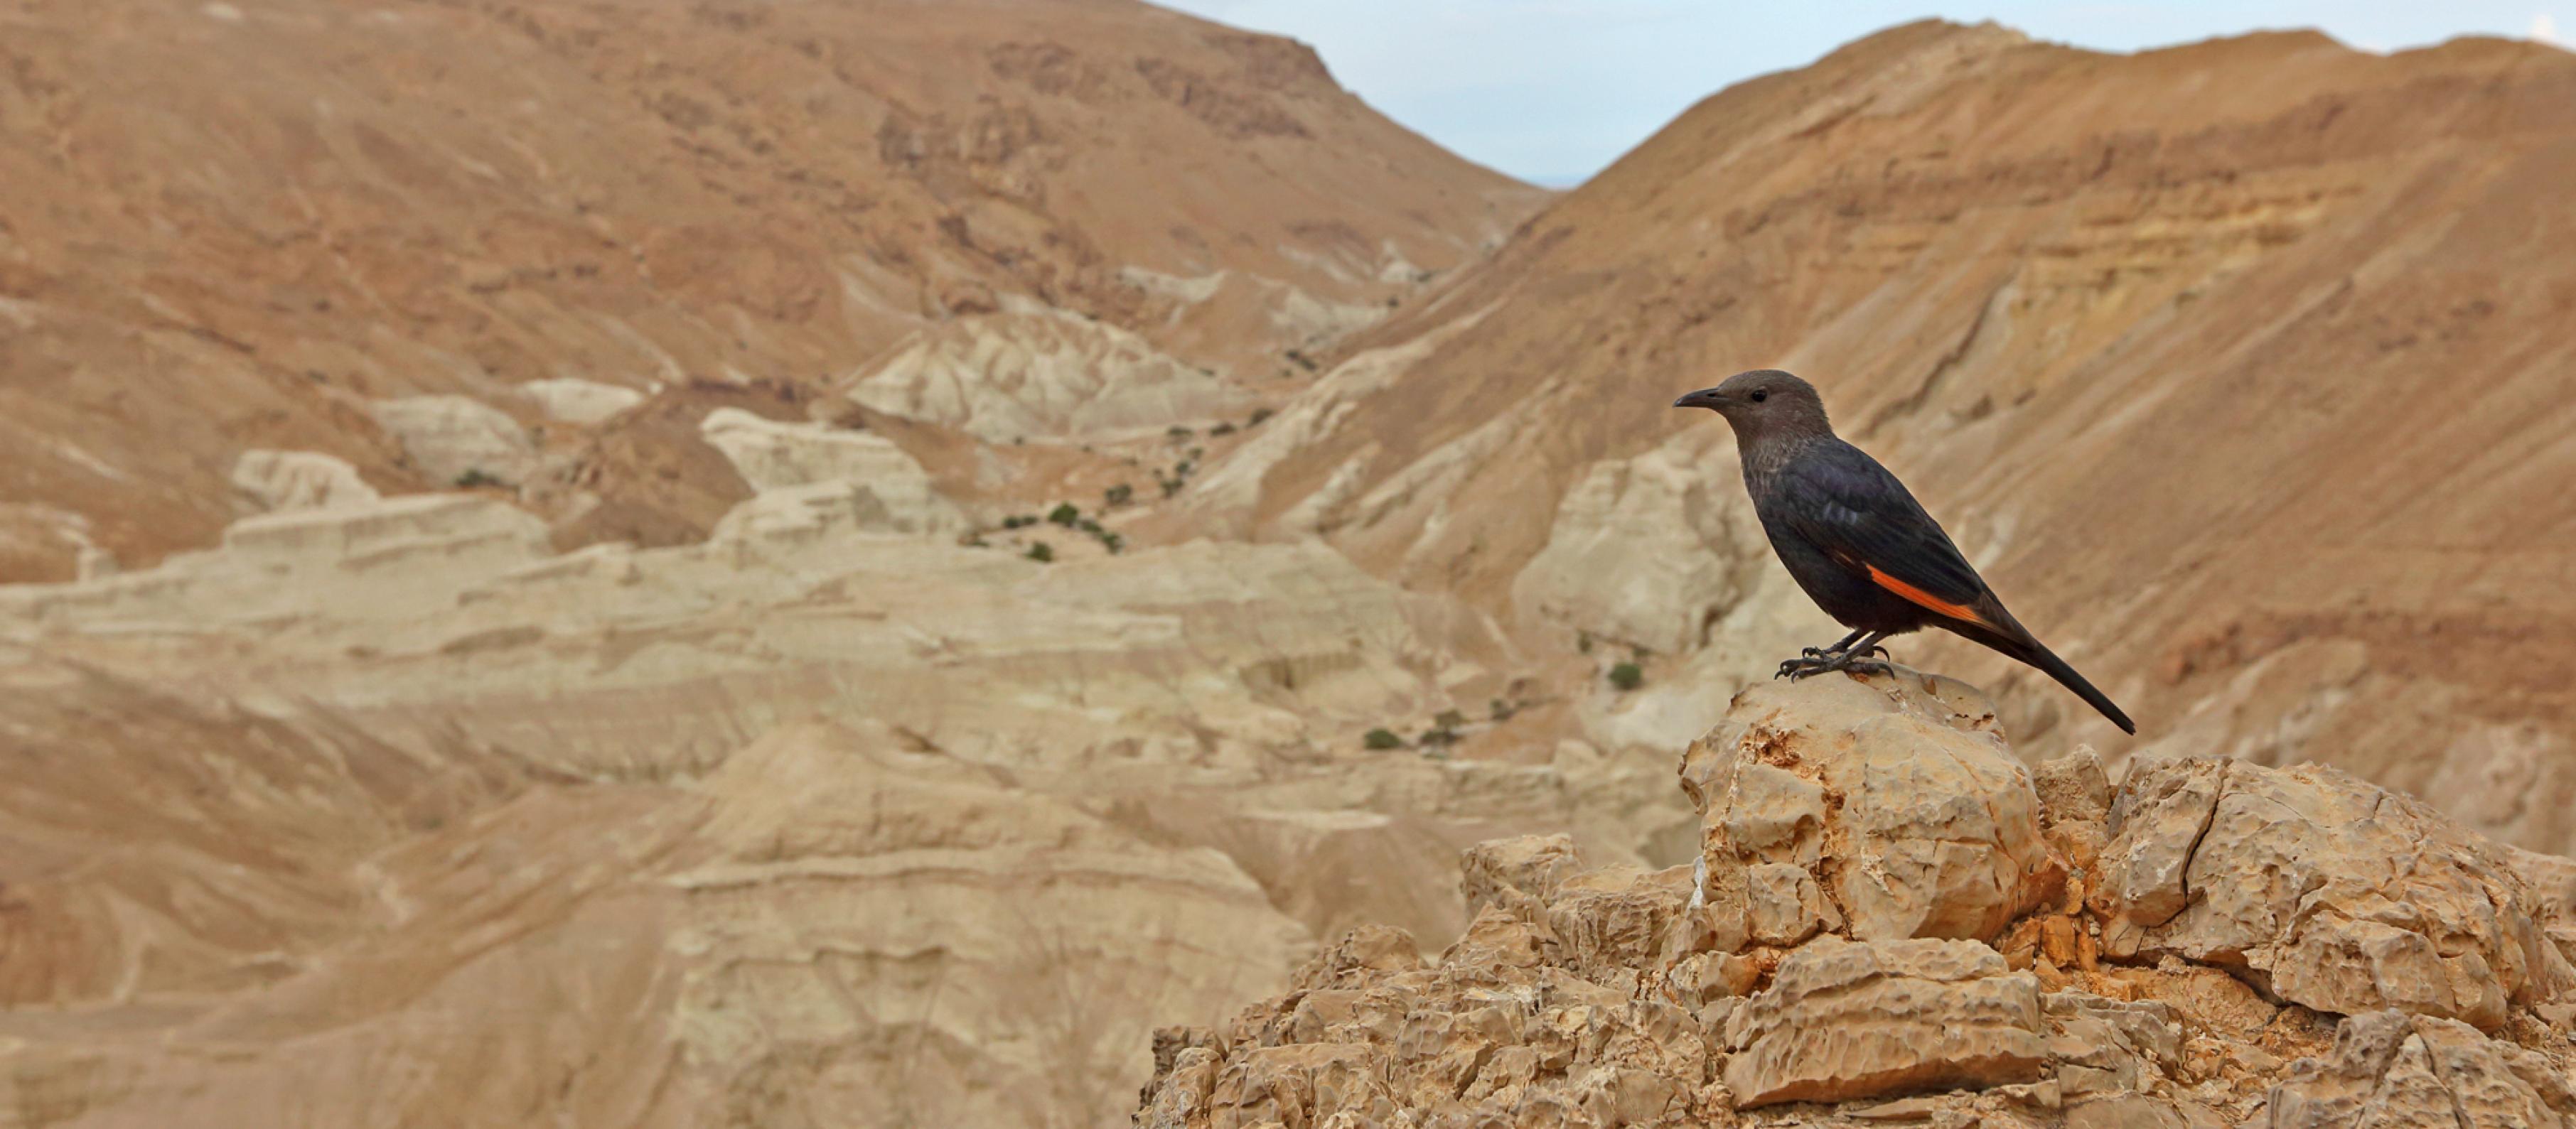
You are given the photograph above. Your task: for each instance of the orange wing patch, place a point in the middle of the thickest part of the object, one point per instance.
(1920, 597)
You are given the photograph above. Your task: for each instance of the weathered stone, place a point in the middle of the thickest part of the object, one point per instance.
(1786, 905)
(269, 481)
(1846, 1020)
(453, 437)
(1721, 994)
(1931, 826)
(2388, 1068)
(2100, 1045)
(1617, 918)
(570, 400)
(1530, 866)
(814, 478)
(2337, 894)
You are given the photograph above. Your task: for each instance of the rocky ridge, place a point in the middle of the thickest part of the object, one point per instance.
(1894, 921)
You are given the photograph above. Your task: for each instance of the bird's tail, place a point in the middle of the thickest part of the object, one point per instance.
(2031, 651)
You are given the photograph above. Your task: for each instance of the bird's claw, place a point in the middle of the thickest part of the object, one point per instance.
(1819, 662)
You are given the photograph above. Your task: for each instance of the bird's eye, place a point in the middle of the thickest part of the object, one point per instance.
(1759, 395)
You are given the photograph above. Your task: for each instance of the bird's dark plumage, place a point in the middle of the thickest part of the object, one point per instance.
(1856, 540)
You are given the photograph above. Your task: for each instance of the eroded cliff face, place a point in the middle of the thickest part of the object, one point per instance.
(1894, 920)
(2238, 367)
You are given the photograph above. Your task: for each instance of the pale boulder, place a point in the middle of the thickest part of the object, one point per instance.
(2332, 892)
(270, 481)
(2389, 1069)
(814, 478)
(568, 400)
(1895, 793)
(1648, 551)
(1845, 1020)
(454, 439)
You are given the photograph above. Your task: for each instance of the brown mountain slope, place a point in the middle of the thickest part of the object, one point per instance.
(233, 225)
(2242, 369)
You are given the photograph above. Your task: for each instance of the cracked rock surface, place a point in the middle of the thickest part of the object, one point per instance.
(2330, 891)
(1895, 922)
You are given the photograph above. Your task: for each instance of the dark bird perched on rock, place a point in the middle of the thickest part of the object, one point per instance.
(1859, 544)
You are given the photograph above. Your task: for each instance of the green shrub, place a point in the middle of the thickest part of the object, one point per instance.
(1064, 514)
(1118, 495)
(1449, 719)
(476, 477)
(1041, 552)
(1382, 739)
(1627, 676)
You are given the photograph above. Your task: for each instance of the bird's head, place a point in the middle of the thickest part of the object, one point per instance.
(1763, 402)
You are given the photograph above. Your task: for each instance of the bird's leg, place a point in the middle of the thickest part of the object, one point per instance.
(1836, 649)
(1851, 654)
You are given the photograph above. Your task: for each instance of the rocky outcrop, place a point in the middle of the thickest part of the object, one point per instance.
(458, 439)
(1848, 1020)
(1894, 921)
(266, 481)
(813, 477)
(1647, 551)
(1906, 812)
(570, 400)
(2391, 1068)
(2325, 890)
(1038, 374)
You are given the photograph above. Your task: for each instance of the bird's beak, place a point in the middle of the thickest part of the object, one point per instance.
(1708, 398)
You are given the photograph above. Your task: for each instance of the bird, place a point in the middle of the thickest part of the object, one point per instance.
(1856, 540)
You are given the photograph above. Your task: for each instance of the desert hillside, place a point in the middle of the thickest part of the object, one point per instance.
(283, 223)
(840, 563)
(2241, 369)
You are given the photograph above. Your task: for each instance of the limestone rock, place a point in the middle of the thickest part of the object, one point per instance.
(1845, 1020)
(1044, 375)
(814, 478)
(569, 400)
(1730, 997)
(2334, 893)
(1646, 551)
(455, 438)
(1530, 867)
(299, 480)
(2390, 1068)
(1895, 794)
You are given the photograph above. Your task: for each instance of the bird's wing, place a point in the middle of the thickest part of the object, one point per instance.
(1841, 501)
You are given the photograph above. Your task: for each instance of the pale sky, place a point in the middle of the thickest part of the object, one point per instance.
(1551, 90)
